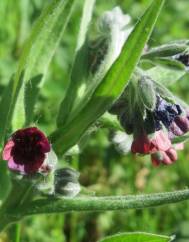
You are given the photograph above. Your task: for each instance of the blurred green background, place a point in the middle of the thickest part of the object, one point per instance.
(102, 168)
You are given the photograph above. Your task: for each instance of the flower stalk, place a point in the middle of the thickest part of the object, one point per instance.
(92, 204)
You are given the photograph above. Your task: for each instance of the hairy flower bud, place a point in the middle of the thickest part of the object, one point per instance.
(166, 112)
(113, 31)
(147, 92)
(183, 58)
(66, 182)
(166, 157)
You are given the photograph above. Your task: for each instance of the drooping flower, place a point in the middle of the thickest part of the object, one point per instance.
(166, 157)
(144, 144)
(27, 151)
(179, 126)
(153, 120)
(166, 112)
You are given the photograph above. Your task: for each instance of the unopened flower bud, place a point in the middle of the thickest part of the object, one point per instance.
(183, 123)
(183, 58)
(122, 142)
(166, 157)
(113, 31)
(66, 182)
(166, 112)
(115, 17)
(146, 91)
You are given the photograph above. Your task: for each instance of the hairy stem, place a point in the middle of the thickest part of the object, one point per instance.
(91, 204)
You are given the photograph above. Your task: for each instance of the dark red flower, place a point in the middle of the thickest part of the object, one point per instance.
(144, 144)
(26, 151)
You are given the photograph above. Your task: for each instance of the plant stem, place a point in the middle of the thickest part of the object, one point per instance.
(19, 194)
(92, 204)
(4, 222)
(14, 232)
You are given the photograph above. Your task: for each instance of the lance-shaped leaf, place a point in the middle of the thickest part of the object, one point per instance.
(137, 237)
(79, 71)
(112, 84)
(164, 75)
(38, 51)
(165, 50)
(169, 63)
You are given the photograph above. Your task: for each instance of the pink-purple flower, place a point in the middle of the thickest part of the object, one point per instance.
(144, 144)
(166, 157)
(159, 146)
(27, 150)
(179, 126)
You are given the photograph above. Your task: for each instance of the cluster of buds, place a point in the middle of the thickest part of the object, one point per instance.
(154, 117)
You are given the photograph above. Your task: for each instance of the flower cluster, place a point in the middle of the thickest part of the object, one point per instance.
(27, 151)
(154, 128)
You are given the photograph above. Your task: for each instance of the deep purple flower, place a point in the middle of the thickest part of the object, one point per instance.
(183, 58)
(26, 151)
(165, 112)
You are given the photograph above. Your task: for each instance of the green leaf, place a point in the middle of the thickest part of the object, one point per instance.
(79, 69)
(5, 183)
(6, 107)
(170, 63)
(180, 139)
(112, 84)
(164, 92)
(21, 93)
(164, 75)
(137, 237)
(165, 50)
(83, 83)
(110, 121)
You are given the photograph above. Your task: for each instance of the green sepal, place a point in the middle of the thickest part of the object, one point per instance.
(146, 92)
